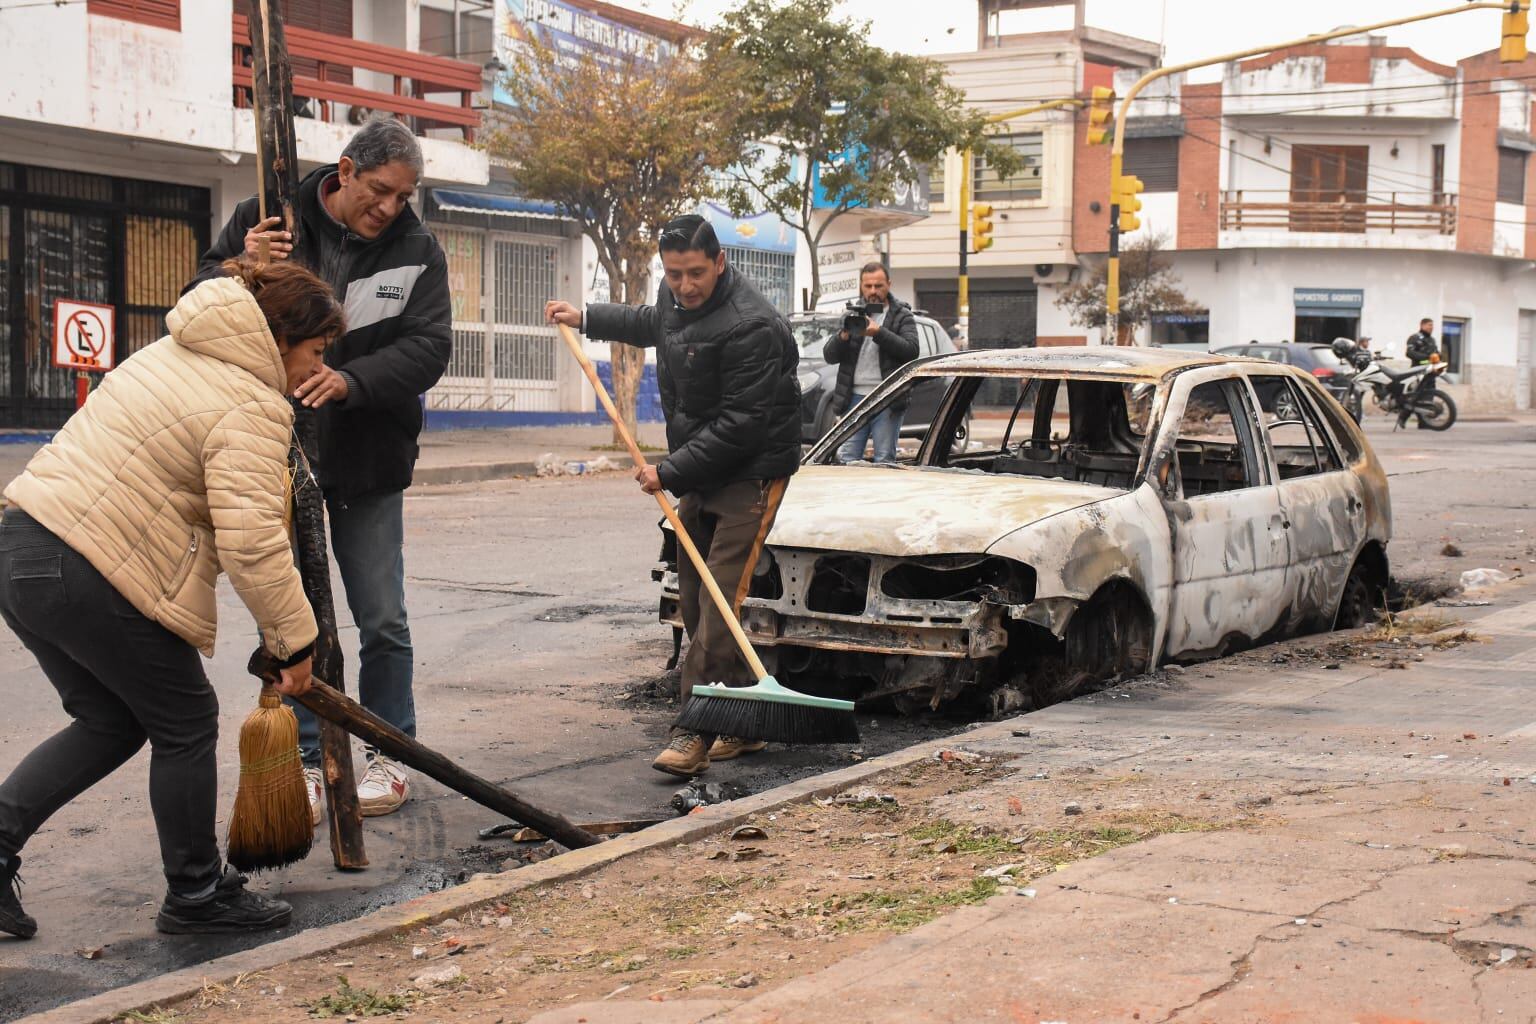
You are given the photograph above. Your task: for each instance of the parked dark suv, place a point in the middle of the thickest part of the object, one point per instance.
(1319, 360)
(818, 378)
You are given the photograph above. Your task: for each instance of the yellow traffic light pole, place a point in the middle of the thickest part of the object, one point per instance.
(966, 164)
(1511, 50)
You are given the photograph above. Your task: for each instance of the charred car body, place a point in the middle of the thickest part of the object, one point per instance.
(1073, 515)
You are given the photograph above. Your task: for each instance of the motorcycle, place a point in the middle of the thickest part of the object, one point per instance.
(1411, 393)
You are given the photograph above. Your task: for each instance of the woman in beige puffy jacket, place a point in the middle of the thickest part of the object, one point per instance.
(174, 471)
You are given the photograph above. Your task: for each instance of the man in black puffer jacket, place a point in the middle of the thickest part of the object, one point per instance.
(725, 366)
(888, 342)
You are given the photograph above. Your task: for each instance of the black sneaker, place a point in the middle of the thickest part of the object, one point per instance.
(229, 908)
(13, 919)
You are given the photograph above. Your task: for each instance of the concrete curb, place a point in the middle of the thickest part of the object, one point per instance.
(425, 910)
(475, 472)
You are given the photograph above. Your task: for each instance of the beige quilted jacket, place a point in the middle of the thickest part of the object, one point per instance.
(177, 469)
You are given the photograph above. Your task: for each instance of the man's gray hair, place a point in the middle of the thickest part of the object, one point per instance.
(383, 140)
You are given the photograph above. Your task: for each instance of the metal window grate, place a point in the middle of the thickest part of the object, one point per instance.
(772, 272)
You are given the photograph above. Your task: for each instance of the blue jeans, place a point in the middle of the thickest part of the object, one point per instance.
(368, 539)
(882, 430)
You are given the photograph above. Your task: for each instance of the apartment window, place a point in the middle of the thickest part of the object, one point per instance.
(1026, 184)
(160, 13)
(936, 181)
(474, 43)
(1511, 175)
(1155, 162)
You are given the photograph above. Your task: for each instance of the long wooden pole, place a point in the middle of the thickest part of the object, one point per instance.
(278, 188)
(706, 577)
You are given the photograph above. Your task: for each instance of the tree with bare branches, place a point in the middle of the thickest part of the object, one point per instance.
(1148, 285)
(621, 145)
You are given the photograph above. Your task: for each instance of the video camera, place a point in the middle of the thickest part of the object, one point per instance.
(856, 319)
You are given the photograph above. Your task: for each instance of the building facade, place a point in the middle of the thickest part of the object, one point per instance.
(1344, 190)
(126, 141)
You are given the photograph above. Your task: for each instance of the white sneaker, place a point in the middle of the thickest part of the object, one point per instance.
(314, 782)
(384, 788)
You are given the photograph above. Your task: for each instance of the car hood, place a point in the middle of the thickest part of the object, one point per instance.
(917, 512)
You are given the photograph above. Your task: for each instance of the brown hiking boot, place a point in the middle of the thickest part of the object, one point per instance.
(687, 755)
(727, 747)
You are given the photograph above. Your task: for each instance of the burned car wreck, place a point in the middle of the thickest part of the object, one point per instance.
(1072, 516)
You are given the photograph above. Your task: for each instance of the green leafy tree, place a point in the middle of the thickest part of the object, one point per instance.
(1147, 285)
(621, 147)
(819, 97)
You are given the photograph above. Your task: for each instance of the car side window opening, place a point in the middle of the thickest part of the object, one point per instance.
(927, 340)
(1344, 430)
(1295, 435)
(1215, 448)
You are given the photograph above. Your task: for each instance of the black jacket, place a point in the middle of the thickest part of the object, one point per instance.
(1420, 347)
(727, 376)
(897, 339)
(399, 336)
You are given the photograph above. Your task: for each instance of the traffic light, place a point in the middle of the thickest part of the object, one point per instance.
(1516, 24)
(1101, 107)
(1126, 193)
(981, 226)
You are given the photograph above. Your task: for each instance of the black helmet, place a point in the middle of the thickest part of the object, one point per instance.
(1343, 348)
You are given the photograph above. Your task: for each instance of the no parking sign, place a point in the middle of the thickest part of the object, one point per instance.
(83, 336)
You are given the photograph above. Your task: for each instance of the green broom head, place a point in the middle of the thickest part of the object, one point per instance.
(768, 711)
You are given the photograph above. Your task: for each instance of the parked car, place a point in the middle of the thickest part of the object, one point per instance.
(818, 378)
(1105, 511)
(1334, 373)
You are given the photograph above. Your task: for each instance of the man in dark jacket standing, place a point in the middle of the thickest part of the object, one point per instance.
(888, 342)
(726, 368)
(359, 234)
(1421, 346)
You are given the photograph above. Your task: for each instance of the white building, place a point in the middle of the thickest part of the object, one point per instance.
(125, 142)
(1349, 189)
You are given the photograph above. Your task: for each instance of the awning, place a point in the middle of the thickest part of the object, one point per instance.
(455, 201)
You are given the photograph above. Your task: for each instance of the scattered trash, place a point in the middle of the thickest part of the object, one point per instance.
(1506, 955)
(418, 952)
(861, 796)
(1015, 806)
(92, 953)
(862, 878)
(1300, 920)
(1469, 735)
(1474, 579)
(701, 794)
(1073, 808)
(550, 464)
(963, 756)
(1439, 757)
(740, 917)
(1028, 894)
(1040, 776)
(1378, 846)
(1021, 733)
(748, 832)
(1451, 551)
(1173, 899)
(1000, 870)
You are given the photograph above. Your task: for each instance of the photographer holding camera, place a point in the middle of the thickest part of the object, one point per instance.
(889, 324)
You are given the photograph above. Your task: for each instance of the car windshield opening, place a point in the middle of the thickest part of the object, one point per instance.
(1043, 426)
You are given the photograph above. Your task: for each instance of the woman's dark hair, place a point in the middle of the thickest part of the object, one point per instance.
(297, 304)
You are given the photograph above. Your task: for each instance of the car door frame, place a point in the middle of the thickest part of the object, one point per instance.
(1230, 550)
(1326, 513)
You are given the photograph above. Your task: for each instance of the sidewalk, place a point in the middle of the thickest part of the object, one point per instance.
(1335, 829)
(454, 456)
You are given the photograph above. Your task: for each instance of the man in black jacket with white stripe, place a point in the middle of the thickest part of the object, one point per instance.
(726, 369)
(359, 234)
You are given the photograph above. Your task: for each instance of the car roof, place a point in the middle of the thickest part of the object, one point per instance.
(1142, 363)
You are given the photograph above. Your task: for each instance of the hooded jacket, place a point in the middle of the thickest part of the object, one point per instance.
(726, 373)
(399, 335)
(177, 468)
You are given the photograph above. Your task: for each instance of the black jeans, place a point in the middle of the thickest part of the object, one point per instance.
(123, 679)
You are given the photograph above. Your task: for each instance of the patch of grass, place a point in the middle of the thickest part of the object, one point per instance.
(1060, 846)
(153, 1015)
(904, 910)
(874, 804)
(966, 838)
(347, 1001)
(1400, 625)
(682, 952)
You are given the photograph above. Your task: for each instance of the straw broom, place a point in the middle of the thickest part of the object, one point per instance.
(270, 826)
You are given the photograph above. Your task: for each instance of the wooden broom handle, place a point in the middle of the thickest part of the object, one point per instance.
(705, 576)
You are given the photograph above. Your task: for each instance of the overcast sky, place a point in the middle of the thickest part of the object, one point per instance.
(1193, 28)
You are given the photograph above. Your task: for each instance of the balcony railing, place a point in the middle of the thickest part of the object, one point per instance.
(415, 75)
(1349, 213)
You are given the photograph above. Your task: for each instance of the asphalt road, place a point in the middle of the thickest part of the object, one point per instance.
(533, 616)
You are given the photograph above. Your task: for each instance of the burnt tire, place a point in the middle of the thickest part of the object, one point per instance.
(1358, 603)
(1108, 639)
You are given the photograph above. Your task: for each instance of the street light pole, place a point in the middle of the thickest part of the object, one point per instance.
(1512, 50)
(966, 165)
